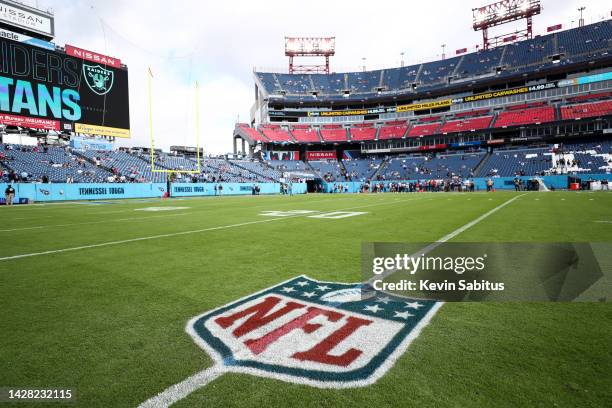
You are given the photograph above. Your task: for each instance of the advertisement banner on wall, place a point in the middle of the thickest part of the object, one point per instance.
(27, 18)
(24, 121)
(329, 155)
(425, 105)
(101, 130)
(295, 155)
(90, 144)
(92, 56)
(49, 85)
(10, 35)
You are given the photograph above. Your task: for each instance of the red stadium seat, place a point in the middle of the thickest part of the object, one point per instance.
(586, 110)
(393, 130)
(525, 117)
(305, 134)
(466, 125)
(424, 129)
(363, 133)
(333, 133)
(478, 112)
(276, 134)
(252, 133)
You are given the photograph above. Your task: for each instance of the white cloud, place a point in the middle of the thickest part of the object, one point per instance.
(219, 43)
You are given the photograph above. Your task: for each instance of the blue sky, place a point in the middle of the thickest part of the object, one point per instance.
(219, 43)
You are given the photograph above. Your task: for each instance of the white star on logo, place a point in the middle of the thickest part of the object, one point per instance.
(413, 305)
(302, 283)
(373, 308)
(384, 300)
(403, 315)
(323, 287)
(288, 289)
(309, 294)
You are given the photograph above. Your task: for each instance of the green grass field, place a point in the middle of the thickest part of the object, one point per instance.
(109, 320)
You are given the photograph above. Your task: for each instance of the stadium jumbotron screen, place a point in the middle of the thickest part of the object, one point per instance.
(55, 91)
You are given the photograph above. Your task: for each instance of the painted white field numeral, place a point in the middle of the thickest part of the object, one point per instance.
(286, 213)
(318, 214)
(337, 215)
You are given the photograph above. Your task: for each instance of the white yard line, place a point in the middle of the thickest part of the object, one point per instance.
(176, 234)
(182, 389)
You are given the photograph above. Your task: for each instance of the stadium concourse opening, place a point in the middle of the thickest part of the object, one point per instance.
(336, 243)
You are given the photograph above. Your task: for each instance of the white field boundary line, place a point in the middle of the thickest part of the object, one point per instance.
(180, 390)
(176, 234)
(197, 210)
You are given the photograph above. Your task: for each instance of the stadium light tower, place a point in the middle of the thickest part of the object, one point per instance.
(581, 21)
(309, 47)
(503, 12)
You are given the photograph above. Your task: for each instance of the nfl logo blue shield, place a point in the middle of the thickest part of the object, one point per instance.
(305, 331)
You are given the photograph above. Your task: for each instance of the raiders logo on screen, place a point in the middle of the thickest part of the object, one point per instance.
(99, 79)
(310, 332)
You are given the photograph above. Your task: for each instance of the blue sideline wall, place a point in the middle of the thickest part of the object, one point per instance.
(84, 191)
(480, 183)
(208, 189)
(104, 191)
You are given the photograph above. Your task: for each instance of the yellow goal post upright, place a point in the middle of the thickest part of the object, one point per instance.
(152, 139)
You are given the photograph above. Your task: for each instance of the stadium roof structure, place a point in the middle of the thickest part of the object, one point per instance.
(584, 47)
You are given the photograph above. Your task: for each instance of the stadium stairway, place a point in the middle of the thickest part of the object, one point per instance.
(485, 159)
(383, 166)
(456, 70)
(252, 170)
(418, 74)
(90, 160)
(492, 124)
(503, 55)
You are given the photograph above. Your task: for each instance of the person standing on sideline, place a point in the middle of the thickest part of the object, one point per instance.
(9, 195)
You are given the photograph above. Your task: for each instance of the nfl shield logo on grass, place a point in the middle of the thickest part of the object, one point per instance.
(310, 332)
